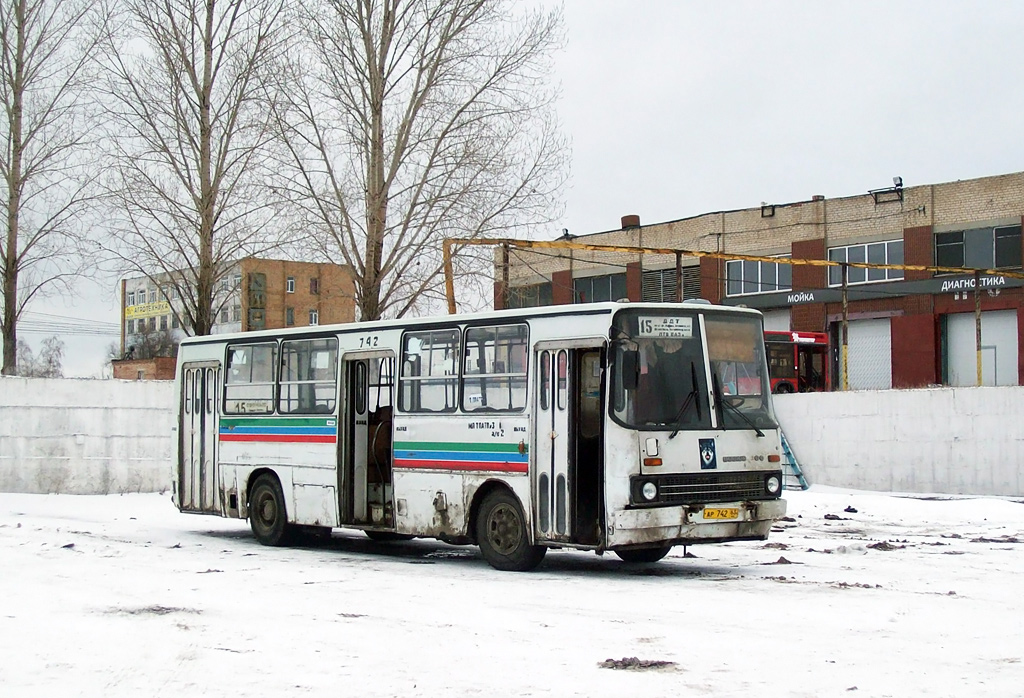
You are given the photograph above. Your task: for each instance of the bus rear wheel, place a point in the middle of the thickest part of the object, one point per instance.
(643, 554)
(268, 517)
(502, 536)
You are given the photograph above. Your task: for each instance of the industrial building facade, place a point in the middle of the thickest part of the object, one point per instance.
(905, 328)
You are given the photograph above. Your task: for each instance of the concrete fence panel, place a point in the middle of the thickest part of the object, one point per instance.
(943, 440)
(83, 436)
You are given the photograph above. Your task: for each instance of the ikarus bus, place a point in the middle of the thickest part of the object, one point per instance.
(623, 427)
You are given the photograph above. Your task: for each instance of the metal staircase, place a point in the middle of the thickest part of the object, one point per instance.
(792, 475)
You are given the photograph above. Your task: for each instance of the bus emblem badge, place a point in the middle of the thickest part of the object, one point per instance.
(708, 461)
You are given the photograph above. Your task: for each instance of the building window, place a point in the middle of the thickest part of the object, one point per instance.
(289, 317)
(980, 248)
(129, 327)
(529, 296)
(163, 322)
(236, 313)
(174, 322)
(224, 315)
(890, 252)
(152, 324)
(314, 286)
(494, 370)
(309, 376)
(594, 289)
(430, 371)
(744, 277)
(141, 296)
(289, 284)
(129, 299)
(314, 317)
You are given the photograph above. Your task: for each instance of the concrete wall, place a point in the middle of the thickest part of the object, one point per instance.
(82, 436)
(945, 440)
(96, 436)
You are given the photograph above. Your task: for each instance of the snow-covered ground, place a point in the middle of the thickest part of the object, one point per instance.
(123, 596)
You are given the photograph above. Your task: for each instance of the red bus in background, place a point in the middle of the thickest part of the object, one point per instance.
(797, 361)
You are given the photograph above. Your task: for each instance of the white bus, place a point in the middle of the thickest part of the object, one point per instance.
(629, 427)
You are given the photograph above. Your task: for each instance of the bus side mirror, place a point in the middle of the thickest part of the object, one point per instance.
(629, 367)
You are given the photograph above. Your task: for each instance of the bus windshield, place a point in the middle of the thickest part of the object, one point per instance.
(661, 377)
(739, 372)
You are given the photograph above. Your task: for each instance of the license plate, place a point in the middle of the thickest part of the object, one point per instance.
(721, 513)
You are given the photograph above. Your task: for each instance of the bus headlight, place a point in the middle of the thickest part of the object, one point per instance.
(649, 491)
(773, 484)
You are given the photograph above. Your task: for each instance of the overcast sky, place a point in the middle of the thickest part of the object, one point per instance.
(675, 109)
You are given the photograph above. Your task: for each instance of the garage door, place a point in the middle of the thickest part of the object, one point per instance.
(998, 348)
(870, 355)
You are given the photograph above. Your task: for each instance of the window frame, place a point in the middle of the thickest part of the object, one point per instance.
(758, 284)
(289, 284)
(835, 273)
(969, 236)
(228, 383)
(617, 280)
(486, 378)
(449, 381)
(331, 347)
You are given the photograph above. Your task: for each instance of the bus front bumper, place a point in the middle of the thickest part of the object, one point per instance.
(681, 525)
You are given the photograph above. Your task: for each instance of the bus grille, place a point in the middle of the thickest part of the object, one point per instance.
(711, 487)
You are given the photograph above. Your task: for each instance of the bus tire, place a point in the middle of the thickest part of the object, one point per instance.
(643, 554)
(502, 536)
(783, 389)
(268, 516)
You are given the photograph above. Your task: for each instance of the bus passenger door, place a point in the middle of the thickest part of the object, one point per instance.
(365, 450)
(198, 477)
(553, 437)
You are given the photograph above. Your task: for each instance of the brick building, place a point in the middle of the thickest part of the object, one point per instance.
(255, 294)
(906, 329)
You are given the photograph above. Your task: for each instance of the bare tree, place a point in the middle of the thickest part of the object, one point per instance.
(191, 107)
(414, 120)
(49, 363)
(45, 68)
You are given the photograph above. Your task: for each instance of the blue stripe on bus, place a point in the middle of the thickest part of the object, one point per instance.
(480, 456)
(278, 430)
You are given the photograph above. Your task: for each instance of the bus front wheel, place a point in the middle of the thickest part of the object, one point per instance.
(643, 554)
(502, 536)
(267, 515)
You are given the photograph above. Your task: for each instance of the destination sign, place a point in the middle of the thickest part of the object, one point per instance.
(665, 326)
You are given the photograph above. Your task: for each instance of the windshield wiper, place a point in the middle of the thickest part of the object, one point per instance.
(720, 399)
(693, 395)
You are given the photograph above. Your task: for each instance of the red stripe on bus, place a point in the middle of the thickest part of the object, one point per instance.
(282, 438)
(460, 465)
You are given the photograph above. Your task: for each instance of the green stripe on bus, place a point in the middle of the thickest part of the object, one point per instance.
(453, 446)
(278, 421)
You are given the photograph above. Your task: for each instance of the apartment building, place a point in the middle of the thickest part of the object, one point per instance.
(905, 328)
(255, 294)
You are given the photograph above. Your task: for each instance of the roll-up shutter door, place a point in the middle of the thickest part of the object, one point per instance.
(870, 355)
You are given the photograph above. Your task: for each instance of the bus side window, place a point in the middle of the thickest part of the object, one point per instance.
(249, 381)
(430, 371)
